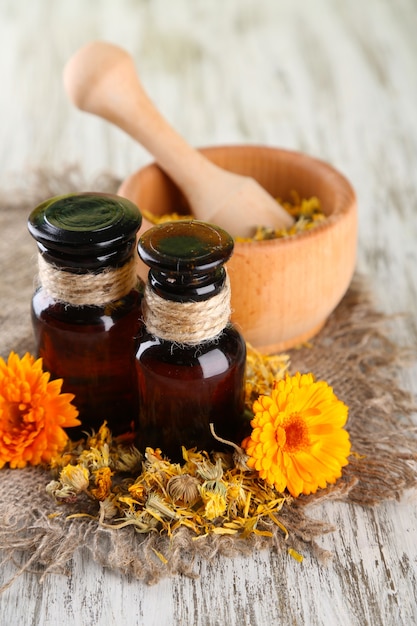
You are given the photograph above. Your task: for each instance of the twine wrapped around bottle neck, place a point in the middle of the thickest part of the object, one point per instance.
(89, 289)
(187, 323)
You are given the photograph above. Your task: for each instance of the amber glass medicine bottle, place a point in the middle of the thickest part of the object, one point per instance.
(86, 310)
(190, 358)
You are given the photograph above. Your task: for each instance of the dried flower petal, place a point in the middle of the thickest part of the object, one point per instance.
(262, 370)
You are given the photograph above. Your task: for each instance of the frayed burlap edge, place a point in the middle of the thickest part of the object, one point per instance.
(49, 541)
(353, 353)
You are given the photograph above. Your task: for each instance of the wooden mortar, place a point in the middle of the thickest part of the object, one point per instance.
(283, 290)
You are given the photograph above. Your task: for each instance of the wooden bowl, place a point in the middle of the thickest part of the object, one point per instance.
(283, 290)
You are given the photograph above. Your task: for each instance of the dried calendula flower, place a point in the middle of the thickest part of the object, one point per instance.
(210, 471)
(61, 493)
(156, 463)
(138, 491)
(157, 507)
(103, 436)
(235, 491)
(102, 479)
(76, 477)
(127, 460)
(73, 480)
(108, 508)
(167, 217)
(153, 456)
(306, 211)
(184, 489)
(215, 502)
(95, 458)
(129, 501)
(192, 460)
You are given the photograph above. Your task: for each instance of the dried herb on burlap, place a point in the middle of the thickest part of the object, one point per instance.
(353, 353)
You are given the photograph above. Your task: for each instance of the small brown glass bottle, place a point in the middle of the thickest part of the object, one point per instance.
(190, 358)
(86, 310)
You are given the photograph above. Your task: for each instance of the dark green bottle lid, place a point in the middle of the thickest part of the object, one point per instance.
(85, 230)
(186, 259)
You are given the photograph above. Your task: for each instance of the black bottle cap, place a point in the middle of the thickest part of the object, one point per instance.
(186, 259)
(85, 230)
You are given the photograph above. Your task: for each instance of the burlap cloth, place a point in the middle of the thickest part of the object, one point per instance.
(353, 353)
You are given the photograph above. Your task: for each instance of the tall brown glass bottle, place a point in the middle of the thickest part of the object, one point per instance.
(86, 310)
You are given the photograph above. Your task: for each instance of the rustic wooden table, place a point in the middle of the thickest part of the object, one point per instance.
(337, 80)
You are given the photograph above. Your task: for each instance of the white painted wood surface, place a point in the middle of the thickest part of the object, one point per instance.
(337, 80)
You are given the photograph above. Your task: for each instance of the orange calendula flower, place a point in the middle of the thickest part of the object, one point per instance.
(298, 441)
(33, 413)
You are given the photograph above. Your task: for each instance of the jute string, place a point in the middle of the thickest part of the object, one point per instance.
(188, 323)
(88, 289)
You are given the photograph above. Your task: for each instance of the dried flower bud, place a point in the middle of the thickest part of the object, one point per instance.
(128, 460)
(183, 488)
(96, 458)
(240, 460)
(217, 486)
(138, 491)
(236, 495)
(103, 436)
(102, 479)
(61, 493)
(153, 455)
(76, 477)
(210, 471)
(156, 504)
(108, 509)
(52, 487)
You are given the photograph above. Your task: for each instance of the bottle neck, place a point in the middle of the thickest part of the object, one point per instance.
(187, 322)
(187, 286)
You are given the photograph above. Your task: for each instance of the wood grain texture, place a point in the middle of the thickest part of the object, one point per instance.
(336, 80)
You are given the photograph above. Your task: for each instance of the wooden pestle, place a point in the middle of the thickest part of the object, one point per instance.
(101, 79)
